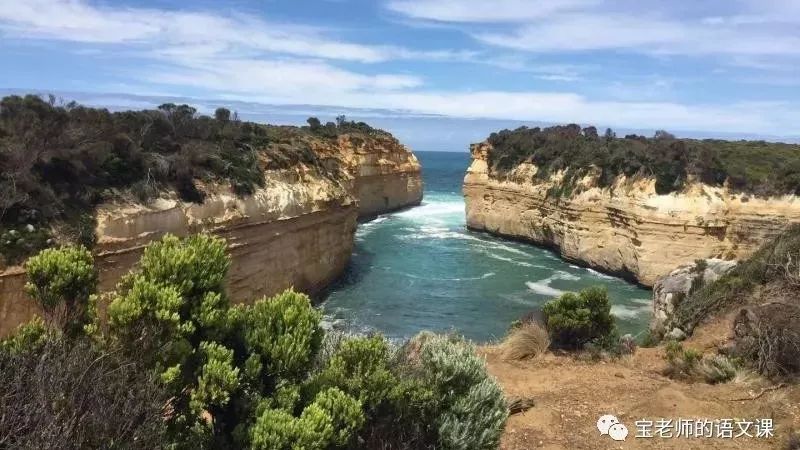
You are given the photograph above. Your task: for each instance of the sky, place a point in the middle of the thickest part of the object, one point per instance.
(438, 73)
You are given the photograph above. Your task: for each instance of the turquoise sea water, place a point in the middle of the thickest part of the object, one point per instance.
(421, 269)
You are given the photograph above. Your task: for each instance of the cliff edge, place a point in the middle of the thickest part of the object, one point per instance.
(621, 225)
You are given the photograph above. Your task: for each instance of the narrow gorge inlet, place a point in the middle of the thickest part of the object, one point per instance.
(421, 269)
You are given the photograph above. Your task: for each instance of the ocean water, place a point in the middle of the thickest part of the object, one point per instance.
(421, 269)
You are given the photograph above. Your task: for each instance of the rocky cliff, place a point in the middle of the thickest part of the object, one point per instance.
(298, 230)
(385, 175)
(625, 228)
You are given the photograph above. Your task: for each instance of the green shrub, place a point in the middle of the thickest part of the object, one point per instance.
(194, 265)
(286, 331)
(345, 412)
(61, 281)
(16, 243)
(575, 319)
(360, 367)
(218, 378)
(329, 422)
(27, 338)
(471, 407)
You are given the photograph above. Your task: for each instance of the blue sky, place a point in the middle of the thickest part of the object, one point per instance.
(447, 70)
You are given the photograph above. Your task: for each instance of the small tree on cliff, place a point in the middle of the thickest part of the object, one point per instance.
(62, 281)
(573, 320)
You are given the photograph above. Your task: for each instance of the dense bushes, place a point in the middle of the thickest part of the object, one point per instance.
(342, 125)
(249, 376)
(574, 320)
(751, 166)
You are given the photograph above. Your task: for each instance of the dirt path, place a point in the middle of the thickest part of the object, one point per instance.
(571, 395)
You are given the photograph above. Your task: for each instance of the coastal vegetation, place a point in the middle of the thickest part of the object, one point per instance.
(754, 167)
(576, 319)
(203, 373)
(58, 161)
(764, 290)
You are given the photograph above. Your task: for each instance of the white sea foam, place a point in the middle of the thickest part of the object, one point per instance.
(600, 275)
(432, 209)
(628, 312)
(543, 288)
(561, 275)
(510, 260)
(417, 277)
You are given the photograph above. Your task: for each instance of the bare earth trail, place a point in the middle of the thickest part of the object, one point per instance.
(571, 395)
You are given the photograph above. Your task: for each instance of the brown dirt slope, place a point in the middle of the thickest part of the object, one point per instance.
(571, 394)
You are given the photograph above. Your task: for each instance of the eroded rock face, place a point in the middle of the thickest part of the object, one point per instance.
(297, 232)
(386, 175)
(671, 290)
(625, 229)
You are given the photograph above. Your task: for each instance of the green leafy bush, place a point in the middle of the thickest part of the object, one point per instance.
(194, 265)
(285, 330)
(61, 281)
(574, 320)
(27, 338)
(471, 409)
(360, 367)
(331, 421)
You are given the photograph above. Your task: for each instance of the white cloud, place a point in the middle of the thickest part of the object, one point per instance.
(290, 79)
(484, 11)
(736, 27)
(645, 35)
(80, 21)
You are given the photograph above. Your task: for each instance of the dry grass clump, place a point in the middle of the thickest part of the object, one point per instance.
(525, 341)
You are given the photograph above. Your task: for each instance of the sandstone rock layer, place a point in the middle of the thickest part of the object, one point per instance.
(625, 229)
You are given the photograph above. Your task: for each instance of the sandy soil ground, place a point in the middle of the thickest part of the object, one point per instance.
(571, 394)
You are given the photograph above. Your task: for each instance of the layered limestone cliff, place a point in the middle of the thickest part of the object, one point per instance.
(297, 231)
(625, 229)
(385, 174)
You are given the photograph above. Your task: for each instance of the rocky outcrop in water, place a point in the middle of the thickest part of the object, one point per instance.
(296, 231)
(671, 290)
(626, 229)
